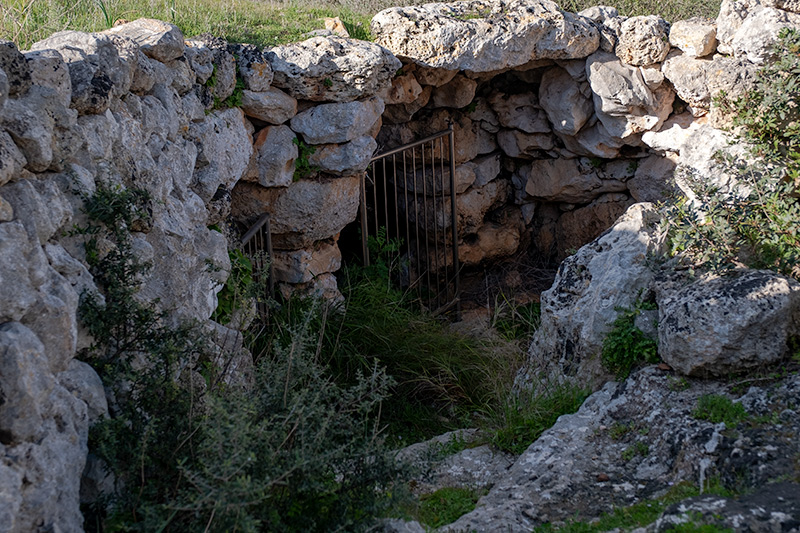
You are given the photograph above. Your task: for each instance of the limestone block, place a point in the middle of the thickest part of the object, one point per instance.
(40, 206)
(435, 77)
(12, 160)
(643, 40)
(96, 70)
(579, 309)
(272, 105)
(275, 153)
(201, 59)
(303, 213)
(492, 241)
(516, 143)
(565, 104)
(699, 335)
(183, 77)
(3, 88)
(208, 50)
(483, 36)
(673, 134)
(22, 270)
(566, 180)
(487, 168)
(696, 37)
(17, 70)
(344, 159)
(593, 141)
(584, 224)
(400, 113)
(302, 266)
(254, 69)
(654, 179)
(731, 16)
(49, 70)
(224, 141)
(6, 211)
(332, 69)
(405, 89)
(456, 93)
(688, 76)
(337, 122)
(622, 100)
(792, 6)
(30, 133)
(520, 111)
(83, 382)
(157, 39)
(599, 13)
(758, 33)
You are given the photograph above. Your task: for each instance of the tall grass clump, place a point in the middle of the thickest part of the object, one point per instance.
(755, 219)
(297, 451)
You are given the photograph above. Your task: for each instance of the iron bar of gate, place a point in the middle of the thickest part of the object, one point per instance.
(423, 230)
(257, 246)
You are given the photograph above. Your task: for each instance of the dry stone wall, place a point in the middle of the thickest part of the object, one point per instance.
(561, 122)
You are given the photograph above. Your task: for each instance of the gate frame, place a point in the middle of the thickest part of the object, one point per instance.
(383, 157)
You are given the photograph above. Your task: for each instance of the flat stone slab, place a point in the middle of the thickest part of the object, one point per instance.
(484, 36)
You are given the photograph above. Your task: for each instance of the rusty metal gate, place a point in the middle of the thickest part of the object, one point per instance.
(408, 213)
(257, 246)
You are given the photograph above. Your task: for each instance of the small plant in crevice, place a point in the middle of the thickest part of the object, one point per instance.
(637, 448)
(717, 408)
(626, 345)
(302, 167)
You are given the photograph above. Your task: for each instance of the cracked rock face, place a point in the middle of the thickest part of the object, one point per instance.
(634, 440)
(484, 36)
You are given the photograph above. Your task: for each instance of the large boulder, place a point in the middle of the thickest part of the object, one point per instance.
(625, 101)
(157, 39)
(643, 41)
(696, 37)
(332, 69)
(338, 122)
(566, 105)
(566, 180)
(303, 213)
(484, 36)
(728, 325)
(590, 286)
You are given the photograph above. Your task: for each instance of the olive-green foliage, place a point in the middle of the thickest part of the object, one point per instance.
(298, 452)
(625, 345)
(755, 222)
(717, 408)
(524, 417)
(446, 505)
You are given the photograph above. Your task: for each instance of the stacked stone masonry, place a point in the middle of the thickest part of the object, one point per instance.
(562, 121)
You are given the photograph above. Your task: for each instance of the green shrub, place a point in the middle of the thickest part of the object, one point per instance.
(298, 452)
(756, 221)
(625, 345)
(302, 168)
(716, 408)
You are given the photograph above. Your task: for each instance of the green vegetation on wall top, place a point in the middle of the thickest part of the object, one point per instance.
(265, 23)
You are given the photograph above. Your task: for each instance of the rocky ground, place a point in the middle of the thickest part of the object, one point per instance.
(634, 441)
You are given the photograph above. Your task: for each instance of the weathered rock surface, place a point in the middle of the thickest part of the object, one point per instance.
(577, 311)
(338, 122)
(696, 37)
(481, 36)
(332, 69)
(583, 465)
(566, 180)
(728, 325)
(643, 40)
(623, 100)
(272, 105)
(275, 153)
(160, 40)
(567, 108)
(303, 213)
(344, 159)
(302, 266)
(16, 69)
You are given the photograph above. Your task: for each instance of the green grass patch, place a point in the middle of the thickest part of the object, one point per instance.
(446, 505)
(526, 416)
(638, 515)
(717, 408)
(265, 23)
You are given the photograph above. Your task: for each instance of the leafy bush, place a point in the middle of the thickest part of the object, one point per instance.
(296, 453)
(756, 220)
(626, 345)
